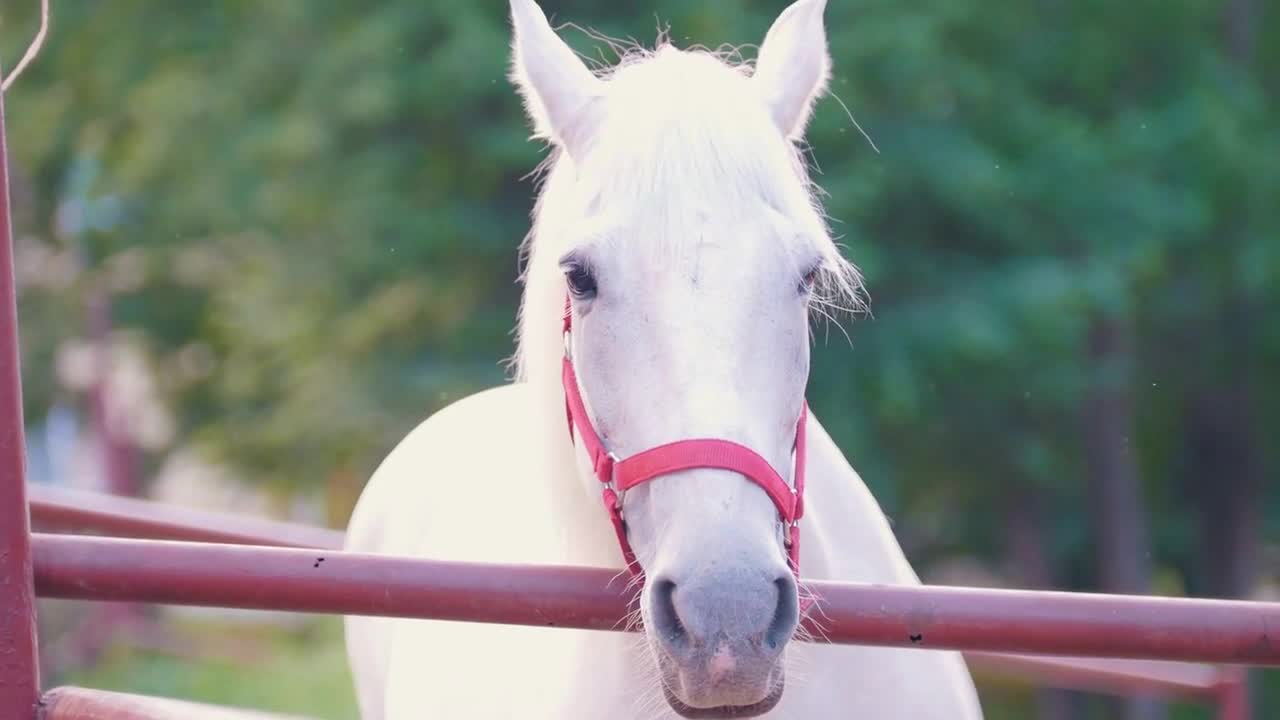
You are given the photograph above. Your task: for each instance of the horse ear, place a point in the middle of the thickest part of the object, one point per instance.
(557, 87)
(793, 66)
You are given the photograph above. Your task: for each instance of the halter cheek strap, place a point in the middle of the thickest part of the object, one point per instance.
(618, 475)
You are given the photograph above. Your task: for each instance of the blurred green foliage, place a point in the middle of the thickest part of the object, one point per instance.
(321, 202)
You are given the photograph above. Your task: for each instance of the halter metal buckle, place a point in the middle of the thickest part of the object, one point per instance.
(787, 527)
(610, 485)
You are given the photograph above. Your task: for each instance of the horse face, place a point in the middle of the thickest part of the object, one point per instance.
(707, 340)
(691, 249)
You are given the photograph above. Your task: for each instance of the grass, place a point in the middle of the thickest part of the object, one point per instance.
(275, 669)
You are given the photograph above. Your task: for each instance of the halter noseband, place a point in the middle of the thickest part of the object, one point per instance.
(618, 475)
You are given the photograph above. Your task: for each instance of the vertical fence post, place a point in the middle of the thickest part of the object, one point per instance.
(1233, 694)
(19, 668)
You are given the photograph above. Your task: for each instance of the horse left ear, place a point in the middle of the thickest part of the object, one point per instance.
(557, 87)
(793, 66)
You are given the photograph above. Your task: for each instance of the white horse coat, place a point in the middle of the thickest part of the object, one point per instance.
(495, 478)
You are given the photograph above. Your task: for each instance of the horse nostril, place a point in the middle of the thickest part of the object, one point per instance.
(666, 620)
(786, 615)
(757, 620)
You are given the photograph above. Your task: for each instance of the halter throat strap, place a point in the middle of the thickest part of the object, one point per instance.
(618, 475)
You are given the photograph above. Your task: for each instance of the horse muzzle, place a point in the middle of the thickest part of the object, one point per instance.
(720, 642)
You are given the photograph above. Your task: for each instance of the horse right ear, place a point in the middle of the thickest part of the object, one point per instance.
(556, 86)
(793, 66)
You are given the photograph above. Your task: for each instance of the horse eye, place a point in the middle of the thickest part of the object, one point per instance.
(581, 282)
(810, 277)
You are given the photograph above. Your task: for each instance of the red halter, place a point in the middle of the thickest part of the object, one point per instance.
(618, 475)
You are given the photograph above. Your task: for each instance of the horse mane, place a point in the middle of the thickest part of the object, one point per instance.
(688, 97)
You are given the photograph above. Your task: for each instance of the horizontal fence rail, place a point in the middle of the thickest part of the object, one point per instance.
(927, 617)
(64, 510)
(75, 703)
(1188, 681)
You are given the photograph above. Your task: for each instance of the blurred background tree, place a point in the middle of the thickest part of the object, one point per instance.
(303, 218)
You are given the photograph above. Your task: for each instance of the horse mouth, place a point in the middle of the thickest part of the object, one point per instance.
(755, 709)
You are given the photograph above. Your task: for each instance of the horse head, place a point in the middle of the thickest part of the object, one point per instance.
(692, 252)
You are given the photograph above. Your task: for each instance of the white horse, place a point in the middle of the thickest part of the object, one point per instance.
(678, 216)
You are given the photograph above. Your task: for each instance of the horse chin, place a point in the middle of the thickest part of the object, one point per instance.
(755, 709)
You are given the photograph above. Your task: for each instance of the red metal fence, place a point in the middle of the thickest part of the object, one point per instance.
(229, 568)
(19, 676)
(55, 509)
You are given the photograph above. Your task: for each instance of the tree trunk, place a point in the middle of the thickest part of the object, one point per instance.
(1119, 516)
(1116, 498)
(1230, 449)
(1226, 462)
(1231, 452)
